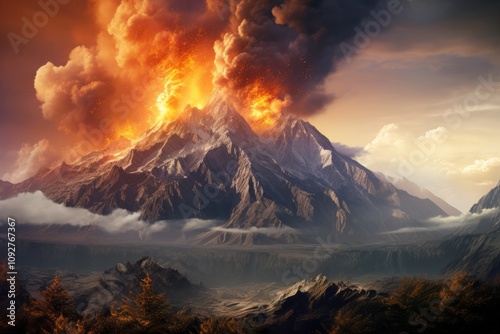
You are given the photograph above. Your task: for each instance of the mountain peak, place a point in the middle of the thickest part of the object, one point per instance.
(414, 189)
(287, 312)
(489, 201)
(218, 116)
(291, 129)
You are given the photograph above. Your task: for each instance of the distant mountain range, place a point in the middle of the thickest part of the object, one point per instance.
(286, 184)
(415, 190)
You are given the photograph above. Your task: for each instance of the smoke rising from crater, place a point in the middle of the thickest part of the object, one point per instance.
(152, 58)
(285, 50)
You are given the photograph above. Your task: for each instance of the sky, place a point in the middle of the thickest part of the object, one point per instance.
(406, 103)
(410, 89)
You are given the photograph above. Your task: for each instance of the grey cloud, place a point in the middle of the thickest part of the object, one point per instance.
(289, 46)
(449, 223)
(256, 230)
(198, 224)
(349, 151)
(438, 25)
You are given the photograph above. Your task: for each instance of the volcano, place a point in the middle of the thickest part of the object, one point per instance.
(280, 184)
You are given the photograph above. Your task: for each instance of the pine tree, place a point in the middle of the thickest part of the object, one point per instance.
(147, 312)
(224, 325)
(464, 303)
(352, 320)
(63, 326)
(53, 313)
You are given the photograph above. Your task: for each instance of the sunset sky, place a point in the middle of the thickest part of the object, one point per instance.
(420, 99)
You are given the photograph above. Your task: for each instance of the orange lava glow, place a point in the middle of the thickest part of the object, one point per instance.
(185, 83)
(185, 78)
(167, 100)
(128, 132)
(265, 108)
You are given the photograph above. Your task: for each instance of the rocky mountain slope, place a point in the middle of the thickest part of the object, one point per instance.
(288, 184)
(417, 191)
(489, 201)
(309, 305)
(486, 214)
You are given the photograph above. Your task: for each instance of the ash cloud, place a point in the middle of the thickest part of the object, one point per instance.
(72, 95)
(30, 158)
(289, 47)
(286, 48)
(109, 89)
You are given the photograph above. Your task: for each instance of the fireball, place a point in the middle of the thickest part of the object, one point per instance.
(264, 106)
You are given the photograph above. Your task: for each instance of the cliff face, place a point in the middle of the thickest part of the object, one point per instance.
(489, 201)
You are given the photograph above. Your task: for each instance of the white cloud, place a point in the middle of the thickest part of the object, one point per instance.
(395, 151)
(449, 223)
(438, 134)
(387, 136)
(198, 224)
(256, 230)
(349, 151)
(482, 166)
(440, 159)
(30, 159)
(486, 184)
(35, 208)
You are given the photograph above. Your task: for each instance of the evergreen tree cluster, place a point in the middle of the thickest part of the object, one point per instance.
(460, 304)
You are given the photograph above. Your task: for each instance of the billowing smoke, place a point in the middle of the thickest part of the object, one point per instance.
(152, 58)
(73, 95)
(277, 54)
(30, 159)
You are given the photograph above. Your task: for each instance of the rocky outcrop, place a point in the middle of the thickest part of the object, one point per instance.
(310, 305)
